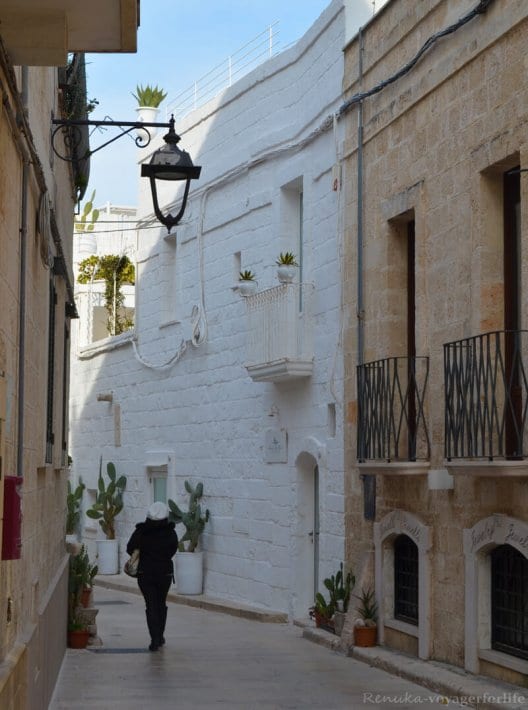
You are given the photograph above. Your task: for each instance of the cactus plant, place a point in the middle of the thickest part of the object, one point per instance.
(109, 501)
(73, 507)
(340, 587)
(193, 520)
(82, 224)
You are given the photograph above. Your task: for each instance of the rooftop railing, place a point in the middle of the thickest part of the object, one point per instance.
(224, 74)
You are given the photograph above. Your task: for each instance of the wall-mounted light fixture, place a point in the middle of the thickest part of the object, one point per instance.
(170, 163)
(167, 163)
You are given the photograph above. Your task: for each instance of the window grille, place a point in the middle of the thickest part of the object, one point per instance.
(509, 601)
(405, 580)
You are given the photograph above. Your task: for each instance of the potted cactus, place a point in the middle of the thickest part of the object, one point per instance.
(108, 504)
(73, 511)
(189, 560)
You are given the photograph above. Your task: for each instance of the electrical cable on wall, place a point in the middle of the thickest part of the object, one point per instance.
(479, 10)
(198, 315)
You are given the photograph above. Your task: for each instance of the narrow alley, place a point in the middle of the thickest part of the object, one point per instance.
(216, 660)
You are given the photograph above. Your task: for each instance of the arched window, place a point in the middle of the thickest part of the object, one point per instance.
(509, 601)
(405, 580)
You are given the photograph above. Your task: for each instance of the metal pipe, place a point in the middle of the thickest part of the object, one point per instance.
(360, 297)
(22, 296)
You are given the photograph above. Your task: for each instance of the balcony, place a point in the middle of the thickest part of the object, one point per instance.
(486, 400)
(392, 428)
(280, 333)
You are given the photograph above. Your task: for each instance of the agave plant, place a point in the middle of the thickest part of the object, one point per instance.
(286, 258)
(149, 95)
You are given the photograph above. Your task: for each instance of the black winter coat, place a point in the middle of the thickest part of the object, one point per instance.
(157, 542)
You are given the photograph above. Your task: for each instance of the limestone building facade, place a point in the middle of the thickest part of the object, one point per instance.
(38, 192)
(436, 347)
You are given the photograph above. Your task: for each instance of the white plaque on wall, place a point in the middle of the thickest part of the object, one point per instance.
(275, 446)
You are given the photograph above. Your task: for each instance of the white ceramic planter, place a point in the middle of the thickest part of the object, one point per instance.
(107, 556)
(147, 114)
(286, 273)
(188, 568)
(247, 288)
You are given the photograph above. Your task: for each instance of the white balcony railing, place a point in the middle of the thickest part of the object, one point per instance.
(280, 333)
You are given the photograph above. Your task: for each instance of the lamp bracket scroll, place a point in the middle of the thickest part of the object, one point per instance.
(73, 135)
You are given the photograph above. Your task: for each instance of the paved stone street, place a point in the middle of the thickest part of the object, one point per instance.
(216, 660)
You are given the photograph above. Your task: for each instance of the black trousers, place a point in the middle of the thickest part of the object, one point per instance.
(155, 589)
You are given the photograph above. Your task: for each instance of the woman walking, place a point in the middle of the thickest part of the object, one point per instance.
(157, 543)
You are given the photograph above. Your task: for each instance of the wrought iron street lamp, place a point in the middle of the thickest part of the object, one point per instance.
(167, 163)
(170, 163)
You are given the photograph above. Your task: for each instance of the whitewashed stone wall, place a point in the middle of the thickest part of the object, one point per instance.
(192, 408)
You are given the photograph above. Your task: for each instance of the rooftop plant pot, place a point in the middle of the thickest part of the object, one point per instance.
(146, 114)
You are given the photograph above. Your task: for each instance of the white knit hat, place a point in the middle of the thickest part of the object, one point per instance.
(158, 511)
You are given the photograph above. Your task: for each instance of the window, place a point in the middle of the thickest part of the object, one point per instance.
(405, 580)
(158, 480)
(509, 601)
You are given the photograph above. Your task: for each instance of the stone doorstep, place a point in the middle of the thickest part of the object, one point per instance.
(445, 679)
(199, 601)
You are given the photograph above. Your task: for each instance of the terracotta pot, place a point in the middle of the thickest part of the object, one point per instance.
(78, 639)
(365, 636)
(86, 595)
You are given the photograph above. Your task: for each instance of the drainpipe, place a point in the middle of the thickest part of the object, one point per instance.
(369, 480)
(22, 295)
(360, 301)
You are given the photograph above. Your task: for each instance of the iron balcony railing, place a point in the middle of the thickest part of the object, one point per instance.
(486, 396)
(392, 423)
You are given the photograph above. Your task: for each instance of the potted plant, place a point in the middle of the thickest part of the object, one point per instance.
(287, 266)
(73, 511)
(108, 504)
(86, 572)
(189, 560)
(149, 99)
(340, 587)
(322, 613)
(149, 96)
(78, 632)
(247, 285)
(365, 628)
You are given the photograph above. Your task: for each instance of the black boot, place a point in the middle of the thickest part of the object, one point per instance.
(163, 621)
(153, 630)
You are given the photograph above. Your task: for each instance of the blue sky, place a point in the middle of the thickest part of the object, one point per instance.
(178, 42)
